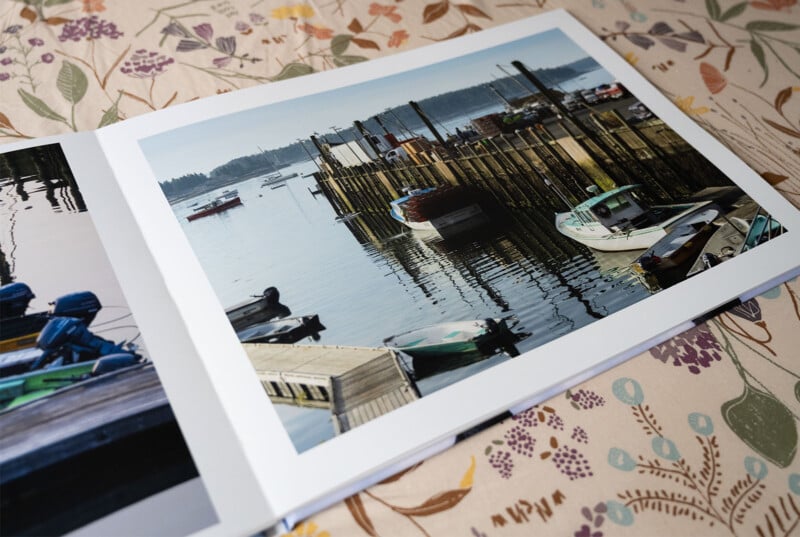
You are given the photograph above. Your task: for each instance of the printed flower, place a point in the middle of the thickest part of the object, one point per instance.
(173, 28)
(35, 42)
(317, 31)
(48, 57)
(502, 462)
(255, 18)
(13, 29)
(90, 28)
(6, 61)
(713, 79)
(299, 11)
(397, 38)
(4, 77)
(144, 64)
(774, 5)
(205, 31)
(3, 49)
(221, 62)
(697, 347)
(306, 529)
(685, 104)
(93, 6)
(519, 440)
(386, 11)
(243, 27)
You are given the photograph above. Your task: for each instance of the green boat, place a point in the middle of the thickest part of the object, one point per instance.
(20, 389)
(450, 338)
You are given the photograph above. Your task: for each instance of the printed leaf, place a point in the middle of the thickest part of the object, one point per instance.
(621, 26)
(226, 45)
(458, 33)
(71, 82)
(49, 3)
(398, 475)
(758, 52)
(340, 43)
(356, 507)
(435, 11)
(435, 504)
(55, 21)
(110, 116)
(660, 28)
(712, 6)
(674, 44)
(39, 106)
(770, 26)
(693, 36)
(365, 43)
(773, 179)
(355, 26)
(714, 80)
(469, 475)
(28, 14)
(185, 45)
(782, 98)
(292, 70)
(733, 11)
(640, 41)
(784, 130)
(472, 11)
(341, 61)
(5, 122)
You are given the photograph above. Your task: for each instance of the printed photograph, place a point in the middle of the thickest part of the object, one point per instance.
(87, 428)
(375, 243)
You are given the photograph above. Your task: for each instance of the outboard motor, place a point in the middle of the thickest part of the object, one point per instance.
(68, 339)
(14, 299)
(83, 305)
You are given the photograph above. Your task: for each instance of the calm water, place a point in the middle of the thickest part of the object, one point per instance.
(364, 292)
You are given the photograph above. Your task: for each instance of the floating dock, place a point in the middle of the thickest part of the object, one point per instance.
(357, 384)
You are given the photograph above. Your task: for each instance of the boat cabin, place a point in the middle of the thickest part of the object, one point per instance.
(616, 209)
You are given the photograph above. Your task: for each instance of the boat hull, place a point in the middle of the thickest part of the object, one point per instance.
(447, 339)
(223, 206)
(288, 330)
(471, 213)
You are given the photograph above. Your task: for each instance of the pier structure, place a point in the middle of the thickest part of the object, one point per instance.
(357, 384)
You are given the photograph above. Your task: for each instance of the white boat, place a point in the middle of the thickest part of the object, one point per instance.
(618, 220)
(449, 338)
(436, 209)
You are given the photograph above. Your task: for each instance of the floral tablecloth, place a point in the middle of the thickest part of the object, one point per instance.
(697, 436)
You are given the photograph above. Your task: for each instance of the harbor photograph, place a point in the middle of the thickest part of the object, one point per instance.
(87, 427)
(375, 243)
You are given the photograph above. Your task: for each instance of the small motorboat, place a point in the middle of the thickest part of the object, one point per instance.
(287, 330)
(221, 203)
(20, 330)
(450, 338)
(257, 309)
(667, 262)
(618, 220)
(437, 209)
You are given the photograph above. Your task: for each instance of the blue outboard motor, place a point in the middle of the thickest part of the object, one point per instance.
(69, 339)
(14, 299)
(84, 305)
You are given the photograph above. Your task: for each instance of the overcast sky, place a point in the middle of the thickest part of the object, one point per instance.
(206, 145)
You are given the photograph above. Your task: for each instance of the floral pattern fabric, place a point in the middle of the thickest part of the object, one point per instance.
(697, 436)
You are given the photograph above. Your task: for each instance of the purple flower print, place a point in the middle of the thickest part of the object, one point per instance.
(697, 347)
(90, 28)
(205, 31)
(173, 28)
(35, 41)
(4, 77)
(6, 61)
(145, 64)
(14, 29)
(48, 57)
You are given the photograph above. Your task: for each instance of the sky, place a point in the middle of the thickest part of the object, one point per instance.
(203, 146)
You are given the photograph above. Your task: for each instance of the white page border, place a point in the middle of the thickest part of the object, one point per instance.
(290, 480)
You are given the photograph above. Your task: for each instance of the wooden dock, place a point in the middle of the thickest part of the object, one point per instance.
(88, 450)
(356, 384)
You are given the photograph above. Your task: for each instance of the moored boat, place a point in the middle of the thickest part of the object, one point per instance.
(451, 338)
(286, 330)
(220, 204)
(257, 309)
(437, 209)
(618, 220)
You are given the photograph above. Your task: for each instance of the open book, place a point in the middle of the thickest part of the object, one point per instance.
(338, 274)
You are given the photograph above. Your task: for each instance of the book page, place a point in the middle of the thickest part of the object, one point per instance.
(430, 240)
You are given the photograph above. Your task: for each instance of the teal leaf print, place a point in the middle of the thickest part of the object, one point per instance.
(71, 82)
(714, 11)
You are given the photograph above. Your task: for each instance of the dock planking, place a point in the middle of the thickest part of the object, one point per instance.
(357, 384)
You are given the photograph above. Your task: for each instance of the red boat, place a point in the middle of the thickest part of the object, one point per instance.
(217, 206)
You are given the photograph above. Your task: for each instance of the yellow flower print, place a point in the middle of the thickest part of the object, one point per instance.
(631, 58)
(299, 11)
(685, 104)
(306, 529)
